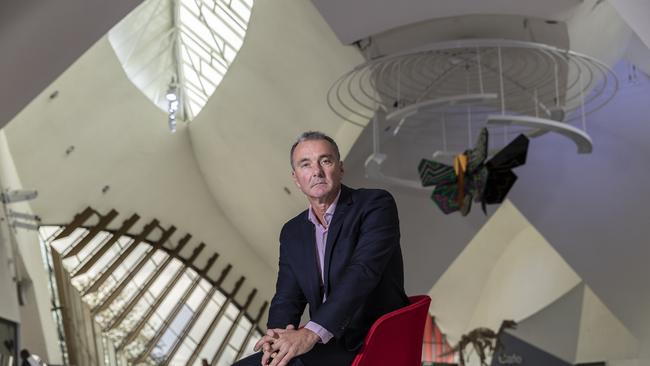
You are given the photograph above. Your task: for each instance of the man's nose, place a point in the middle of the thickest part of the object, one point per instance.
(318, 171)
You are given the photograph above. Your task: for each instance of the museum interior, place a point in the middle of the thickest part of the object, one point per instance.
(145, 172)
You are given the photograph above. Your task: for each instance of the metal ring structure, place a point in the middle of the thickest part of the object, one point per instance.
(537, 79)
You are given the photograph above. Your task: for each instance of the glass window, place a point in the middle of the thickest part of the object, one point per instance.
(199, 37)
(238, 336)
(204, 321)
(227, 357)
(232, 311)
(248, 349)
(169, 333)
(215, 339)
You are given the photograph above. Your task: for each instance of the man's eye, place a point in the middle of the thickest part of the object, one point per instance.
(326, 162)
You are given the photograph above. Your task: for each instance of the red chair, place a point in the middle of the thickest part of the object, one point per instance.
(396, 338)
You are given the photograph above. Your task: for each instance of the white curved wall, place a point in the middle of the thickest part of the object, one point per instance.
(276, 89)
(37, 330)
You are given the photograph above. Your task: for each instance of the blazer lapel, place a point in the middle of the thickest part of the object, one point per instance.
(345, 200)
(310, 261)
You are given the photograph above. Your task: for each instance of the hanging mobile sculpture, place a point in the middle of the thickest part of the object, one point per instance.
(436, 98)
(473, 178)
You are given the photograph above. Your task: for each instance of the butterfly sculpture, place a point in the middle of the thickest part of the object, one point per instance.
(472, 178)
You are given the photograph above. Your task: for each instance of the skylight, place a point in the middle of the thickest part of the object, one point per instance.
(178, 51)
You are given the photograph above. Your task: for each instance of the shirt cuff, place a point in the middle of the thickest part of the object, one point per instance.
(323, 333)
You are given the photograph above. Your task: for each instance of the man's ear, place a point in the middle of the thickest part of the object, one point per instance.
(342, 170)
(295, 179)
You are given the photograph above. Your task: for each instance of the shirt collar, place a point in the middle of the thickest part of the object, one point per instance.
(329, 213)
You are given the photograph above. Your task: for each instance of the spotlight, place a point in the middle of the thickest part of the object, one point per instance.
(171, 94)
(172, 124)
(173, 104)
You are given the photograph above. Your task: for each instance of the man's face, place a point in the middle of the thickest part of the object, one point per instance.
(316, 170)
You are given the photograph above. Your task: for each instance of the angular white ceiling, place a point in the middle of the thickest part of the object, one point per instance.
(579, 328)
(45, 38)
(490, 280)
(355, 20)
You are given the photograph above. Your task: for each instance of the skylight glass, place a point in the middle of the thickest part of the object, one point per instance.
(178, 51)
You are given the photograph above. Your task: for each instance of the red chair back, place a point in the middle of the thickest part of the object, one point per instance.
(396, 338)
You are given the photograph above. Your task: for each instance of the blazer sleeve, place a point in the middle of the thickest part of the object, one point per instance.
(289, 302)
(377, 242)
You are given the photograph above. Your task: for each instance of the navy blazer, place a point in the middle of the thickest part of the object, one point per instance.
(363, 270)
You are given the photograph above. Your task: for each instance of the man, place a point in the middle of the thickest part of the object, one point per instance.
(341, 256)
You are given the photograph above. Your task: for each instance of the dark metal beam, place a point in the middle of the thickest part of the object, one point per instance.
(78, 220)
(233, 327)
(128, 223)
(168, 321)
(133, 301)
(62, 288)
(195, 253)
(216, 320)
(104, 221)
(255, 326)
(195, 317)
(116, 263)
(152, 309)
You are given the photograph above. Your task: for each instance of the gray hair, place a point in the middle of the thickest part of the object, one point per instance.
(310, 136)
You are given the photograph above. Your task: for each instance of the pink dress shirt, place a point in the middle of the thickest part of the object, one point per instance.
(321, 242)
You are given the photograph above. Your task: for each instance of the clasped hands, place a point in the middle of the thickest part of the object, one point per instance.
(282, 345)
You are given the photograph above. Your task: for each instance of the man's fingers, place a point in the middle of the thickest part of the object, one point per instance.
(265, 358)
(276, 360)
(268, 339)
(280, 354)
(260, 344)
(275, 346)
(290, 326)
(272, 333)
(286, 357)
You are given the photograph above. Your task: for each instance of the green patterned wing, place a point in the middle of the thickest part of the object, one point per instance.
(435, 173)
(444, 178)
(445, 197)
